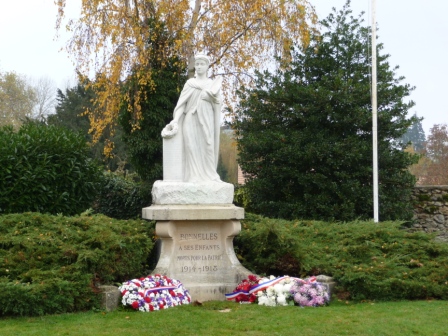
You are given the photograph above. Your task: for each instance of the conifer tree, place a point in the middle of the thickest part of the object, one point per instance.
(415, 135)
(305, 132)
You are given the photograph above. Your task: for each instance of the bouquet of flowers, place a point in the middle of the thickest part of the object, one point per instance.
(274, 291)
(309, 293)
(243, 292)
(153, 292)
(280, 291)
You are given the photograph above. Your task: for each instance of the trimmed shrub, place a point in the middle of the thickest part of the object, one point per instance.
(368, 261)
(53, 264)
(122, 198)
(45, 169)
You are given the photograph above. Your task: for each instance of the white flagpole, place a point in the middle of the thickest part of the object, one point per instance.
(374, 117)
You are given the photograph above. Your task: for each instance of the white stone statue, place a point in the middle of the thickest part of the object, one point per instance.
(196, 119)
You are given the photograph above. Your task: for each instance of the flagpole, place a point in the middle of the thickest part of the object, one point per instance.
(374, 116)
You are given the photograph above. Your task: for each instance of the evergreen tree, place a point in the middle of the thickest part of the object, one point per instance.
(415, 135)
(305, 132)
(70, 109)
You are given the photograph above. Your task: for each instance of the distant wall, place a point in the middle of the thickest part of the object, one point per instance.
(431, 210)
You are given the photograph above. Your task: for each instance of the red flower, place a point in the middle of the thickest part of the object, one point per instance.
(253, 278)
(246, 287)
(148, 299)
(135, 305)
(151, 307)
(241, 297)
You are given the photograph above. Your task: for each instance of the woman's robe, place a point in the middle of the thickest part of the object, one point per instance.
(200, 125)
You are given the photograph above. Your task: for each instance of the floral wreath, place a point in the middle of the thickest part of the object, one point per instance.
(281, 291)
(170, 130)
(154, 292)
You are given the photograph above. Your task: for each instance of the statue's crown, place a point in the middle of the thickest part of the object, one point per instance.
(202, 56)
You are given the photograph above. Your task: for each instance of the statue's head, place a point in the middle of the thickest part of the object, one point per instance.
(202, 57)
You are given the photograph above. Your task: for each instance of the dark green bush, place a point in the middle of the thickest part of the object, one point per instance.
(122, 198)
(52, 264)
(45, 169)
(368, 261)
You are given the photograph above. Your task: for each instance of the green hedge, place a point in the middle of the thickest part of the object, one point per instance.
(45, 169)
(54, 264)
(122, 198)
(367, 260)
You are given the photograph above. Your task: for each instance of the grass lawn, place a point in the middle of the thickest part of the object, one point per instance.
(228, 318)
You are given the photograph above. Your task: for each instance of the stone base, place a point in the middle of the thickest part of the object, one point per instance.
(192, 212)
(110, 297)
(173, 192)
(327, 281)
(197, 247)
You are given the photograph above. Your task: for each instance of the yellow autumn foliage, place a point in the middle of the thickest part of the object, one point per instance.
(110, 39)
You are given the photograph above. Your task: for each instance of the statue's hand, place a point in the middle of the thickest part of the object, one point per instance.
(206, 95)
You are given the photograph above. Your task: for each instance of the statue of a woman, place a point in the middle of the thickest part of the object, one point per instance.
(197, 116)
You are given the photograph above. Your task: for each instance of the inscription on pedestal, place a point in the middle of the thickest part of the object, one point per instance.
(199, 252)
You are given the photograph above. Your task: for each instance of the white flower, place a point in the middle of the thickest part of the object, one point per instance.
(262, 300)
(270, 301)
(270, 291)
(278, 288)
(281, 300)
(287, 287)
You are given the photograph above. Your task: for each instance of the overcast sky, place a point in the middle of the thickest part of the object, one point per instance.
(414, 33)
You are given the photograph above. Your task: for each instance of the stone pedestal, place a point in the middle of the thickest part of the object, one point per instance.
(197, 247)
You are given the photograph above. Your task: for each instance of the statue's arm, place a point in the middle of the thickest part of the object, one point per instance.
(178, 111)
(213, 94)
(181, 103)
